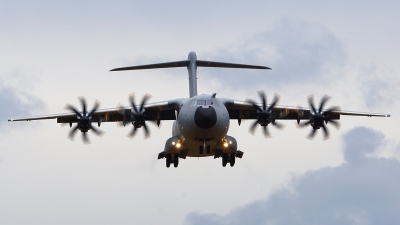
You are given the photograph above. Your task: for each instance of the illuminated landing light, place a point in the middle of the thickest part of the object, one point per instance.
(226, 144)
(178, 145)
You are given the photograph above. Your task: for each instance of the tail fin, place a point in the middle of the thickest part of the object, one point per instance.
(191, 63)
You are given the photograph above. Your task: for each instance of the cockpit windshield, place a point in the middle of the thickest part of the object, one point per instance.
(204, 102)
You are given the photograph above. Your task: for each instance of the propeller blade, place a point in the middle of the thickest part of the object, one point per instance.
(326, 133)
(311, 102)
(253, 127)
(83, 103)
(85, 138)
(312, 134)
(335, 123)
(132, 133)
(278, 125)
(72, 132)
(303, 124)
(254, 104)
(334, 108)
(94, 109)
(144, 100)
(70, 107)
(266, 133)
(263, 99)
(132, 100)
(96, 131)
(276, 99)
(146, 131)
(323, 101)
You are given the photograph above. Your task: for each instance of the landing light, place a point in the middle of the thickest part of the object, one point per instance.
(226, 144)
(178, 145)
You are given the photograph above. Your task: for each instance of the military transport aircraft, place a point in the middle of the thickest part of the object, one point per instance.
(201, 122)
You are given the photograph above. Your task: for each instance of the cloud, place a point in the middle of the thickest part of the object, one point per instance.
(297, 52)
(379, 85)
(361, 191)
(15, 103)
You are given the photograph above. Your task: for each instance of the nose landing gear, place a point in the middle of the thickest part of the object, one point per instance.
(224, 160)
(169, 159)
(228, 158)
(232, 160)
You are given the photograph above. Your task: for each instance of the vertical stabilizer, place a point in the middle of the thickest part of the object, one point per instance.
(192, 71)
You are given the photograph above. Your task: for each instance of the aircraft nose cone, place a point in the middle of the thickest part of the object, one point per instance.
(205, 117)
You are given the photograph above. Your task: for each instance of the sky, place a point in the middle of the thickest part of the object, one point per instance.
(54, 52)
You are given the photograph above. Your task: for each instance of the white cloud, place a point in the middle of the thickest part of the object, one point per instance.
(297, 51)
(361, 191)
(16, 102)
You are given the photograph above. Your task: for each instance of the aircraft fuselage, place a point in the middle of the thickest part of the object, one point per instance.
(201, 129)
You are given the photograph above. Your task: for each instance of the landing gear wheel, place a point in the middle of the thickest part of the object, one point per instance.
(168, 160)
(176, 160)
(224, 160)
(201, 148)
(232, 159)
(208, 149)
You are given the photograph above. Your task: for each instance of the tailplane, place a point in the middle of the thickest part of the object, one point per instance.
(192, 63)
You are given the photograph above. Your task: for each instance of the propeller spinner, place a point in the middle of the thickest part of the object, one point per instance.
(84, 120)
(318, 118)
(138, 116)
(265, 115)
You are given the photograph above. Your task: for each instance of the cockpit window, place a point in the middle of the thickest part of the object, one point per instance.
(204, 102)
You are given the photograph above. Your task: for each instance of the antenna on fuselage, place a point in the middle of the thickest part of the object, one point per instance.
(191, 63)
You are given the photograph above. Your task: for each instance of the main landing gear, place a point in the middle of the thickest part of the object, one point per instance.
(169, 159)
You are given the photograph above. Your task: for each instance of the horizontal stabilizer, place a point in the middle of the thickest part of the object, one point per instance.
(185, 63)
(228, 65)
(191, 64)
(155, 66)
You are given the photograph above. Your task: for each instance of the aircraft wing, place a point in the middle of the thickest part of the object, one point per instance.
(154, 111)
(245, 110)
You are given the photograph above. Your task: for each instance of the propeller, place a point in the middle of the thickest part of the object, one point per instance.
(318, 118)
(265, 114)
(138, 116)
(84, 120)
